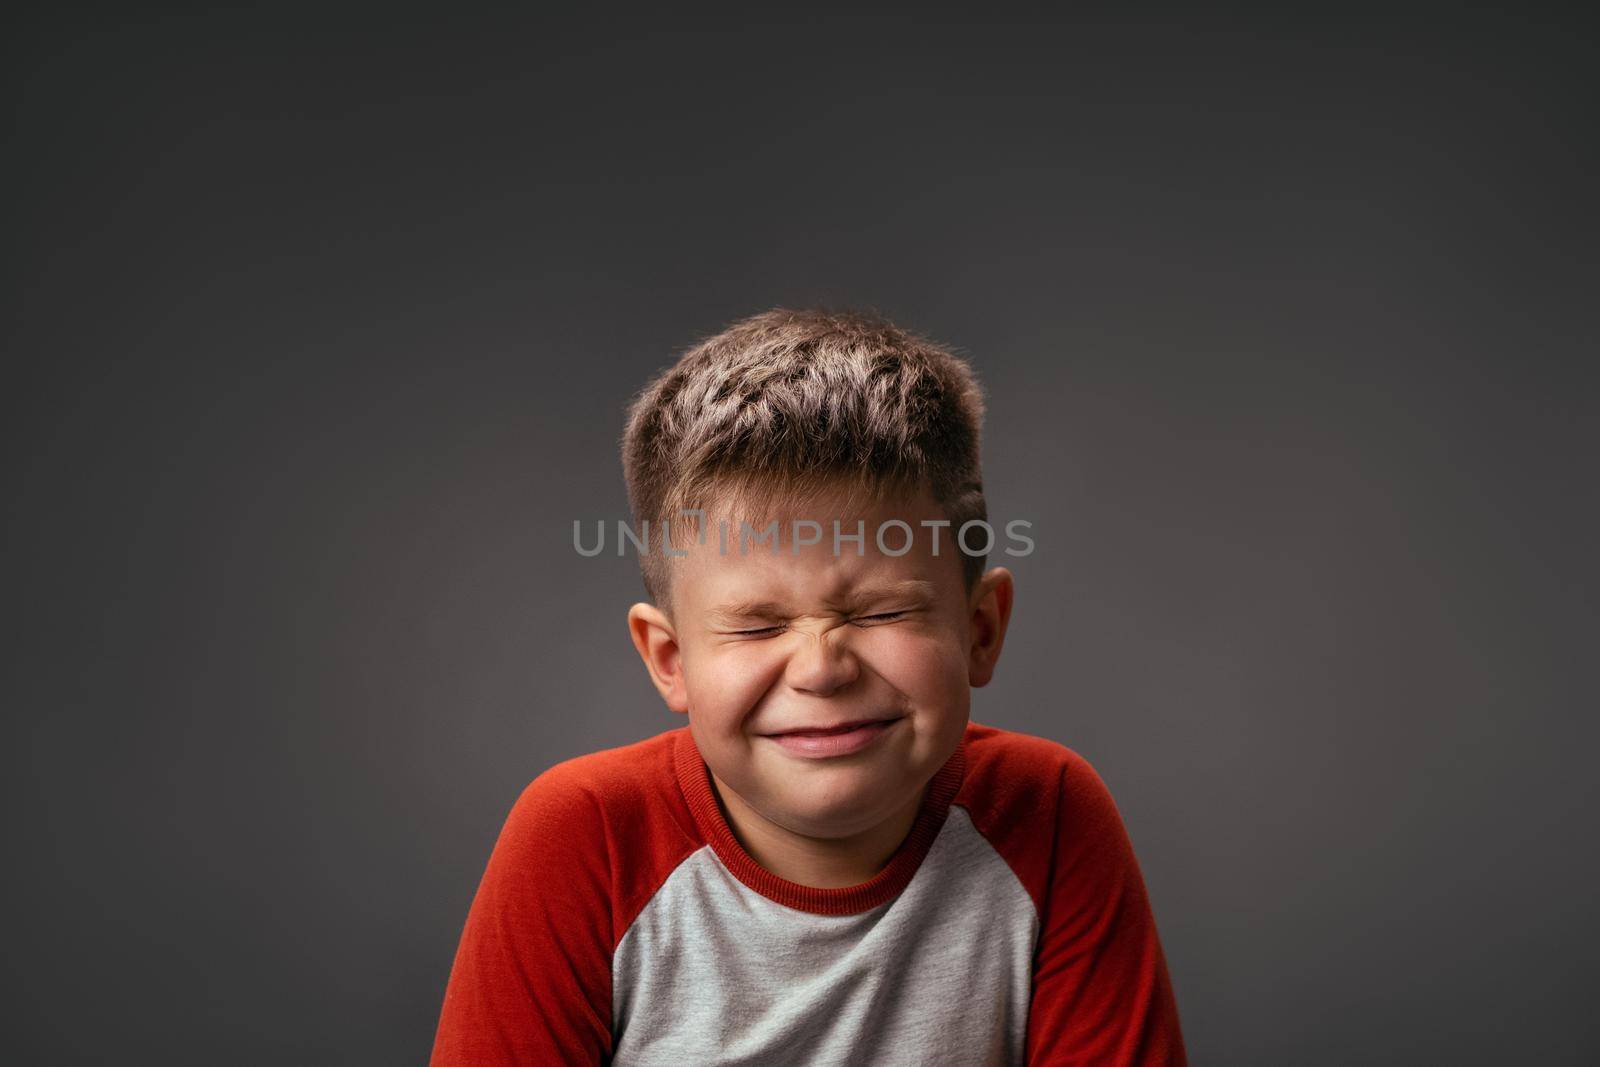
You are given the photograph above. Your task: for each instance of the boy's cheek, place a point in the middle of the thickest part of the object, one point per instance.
(727, 682)
(742, 663)
(920, 663)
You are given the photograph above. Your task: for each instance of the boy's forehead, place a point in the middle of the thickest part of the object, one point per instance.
(791, 554)
(814, 568)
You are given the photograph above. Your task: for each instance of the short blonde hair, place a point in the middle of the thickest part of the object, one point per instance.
(789, 403)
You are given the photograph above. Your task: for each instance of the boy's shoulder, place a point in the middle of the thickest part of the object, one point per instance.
(630, 767)
(623, 789)
(1008, 766)
(1037, 802)
(617, 814)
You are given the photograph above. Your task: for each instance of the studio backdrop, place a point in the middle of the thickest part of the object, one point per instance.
(323, 323)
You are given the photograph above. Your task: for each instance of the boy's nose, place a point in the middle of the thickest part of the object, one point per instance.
(822, 663)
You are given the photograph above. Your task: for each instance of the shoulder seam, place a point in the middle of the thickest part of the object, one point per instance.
(973, 822)
(633, 919)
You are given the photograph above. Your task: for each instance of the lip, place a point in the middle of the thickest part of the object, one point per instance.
(825, 745)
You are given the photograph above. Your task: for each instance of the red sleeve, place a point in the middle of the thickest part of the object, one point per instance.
(531, 983)
(1101, 994)
(1101, 991)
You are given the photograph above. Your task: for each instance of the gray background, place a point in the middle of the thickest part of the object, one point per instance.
(321, 325)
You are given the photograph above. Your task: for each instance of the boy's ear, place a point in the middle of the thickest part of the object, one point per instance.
(657, 643)
(991, 612)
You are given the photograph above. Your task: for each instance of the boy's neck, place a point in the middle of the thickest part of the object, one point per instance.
(817, 862)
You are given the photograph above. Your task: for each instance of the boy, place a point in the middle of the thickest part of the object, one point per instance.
(829, 864)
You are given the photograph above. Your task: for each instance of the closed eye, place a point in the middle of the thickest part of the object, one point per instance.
(886, 616)
(877, 619)
(764, 631)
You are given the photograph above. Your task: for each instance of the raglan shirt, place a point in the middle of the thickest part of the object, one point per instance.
(620, 922)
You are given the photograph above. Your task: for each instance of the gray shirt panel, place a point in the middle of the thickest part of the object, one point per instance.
(713, 973)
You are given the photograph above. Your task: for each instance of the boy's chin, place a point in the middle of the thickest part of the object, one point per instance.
(837, 812)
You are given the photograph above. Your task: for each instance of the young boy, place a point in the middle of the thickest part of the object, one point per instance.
(830, 863)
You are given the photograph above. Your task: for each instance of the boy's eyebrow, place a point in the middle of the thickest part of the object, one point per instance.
(747, 609)
(768, 609)
(908, 587)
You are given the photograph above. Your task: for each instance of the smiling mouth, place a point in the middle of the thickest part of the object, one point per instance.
(842, 728)
(846, 739)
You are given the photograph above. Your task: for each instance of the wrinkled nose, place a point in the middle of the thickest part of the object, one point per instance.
(822, 663)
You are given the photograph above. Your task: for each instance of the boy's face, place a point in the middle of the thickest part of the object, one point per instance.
(760, 644)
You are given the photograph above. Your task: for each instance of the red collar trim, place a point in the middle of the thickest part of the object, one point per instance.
(695, 780)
